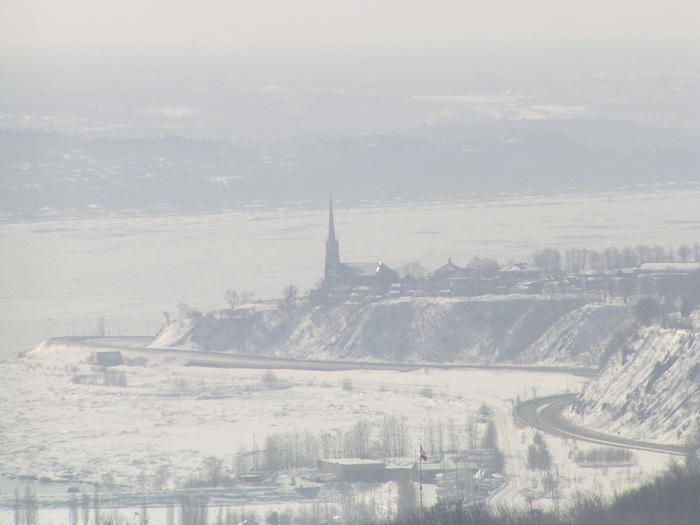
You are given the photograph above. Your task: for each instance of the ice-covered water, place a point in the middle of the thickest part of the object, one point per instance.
(59, 276)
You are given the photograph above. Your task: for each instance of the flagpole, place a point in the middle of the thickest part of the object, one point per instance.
(420, 482)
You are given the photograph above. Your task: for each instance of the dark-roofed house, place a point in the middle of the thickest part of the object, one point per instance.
(451, 280)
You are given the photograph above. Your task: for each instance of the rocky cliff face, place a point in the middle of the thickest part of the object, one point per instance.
(486, 330)
(651, 385)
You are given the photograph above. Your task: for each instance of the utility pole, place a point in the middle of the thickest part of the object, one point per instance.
(422, 457)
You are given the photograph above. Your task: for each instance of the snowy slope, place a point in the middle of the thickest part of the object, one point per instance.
(582, 336)
(484, 330)
(650, 388)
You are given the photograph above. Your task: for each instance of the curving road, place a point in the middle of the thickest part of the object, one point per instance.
(545, 414)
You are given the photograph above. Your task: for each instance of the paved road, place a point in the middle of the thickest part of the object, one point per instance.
(231, 360)
(509, 493)
(545, 414)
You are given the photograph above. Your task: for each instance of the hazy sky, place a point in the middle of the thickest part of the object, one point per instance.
(110, 22)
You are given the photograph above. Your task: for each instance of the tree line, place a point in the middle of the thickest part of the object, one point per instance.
(574, 261)
(386, 439)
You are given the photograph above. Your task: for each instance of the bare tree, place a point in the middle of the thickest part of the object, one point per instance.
(413, 269)
(269, 379)
(214, 470)
(575, 260)
(101, 330)
(357, 440)
(642, 253)
(246, 296)
(657, 254)
(611, 258)
(18, 508)
(548, 260)
(486, 268)
(684, 253)
(393, 436)
(73, 512)
(231, 297)
(629, 257)
(290, 295)
(595, 260)
(161, 477)
(184, 311)
(86, 508)
(489, 440)
(193, 510)
(31, 507)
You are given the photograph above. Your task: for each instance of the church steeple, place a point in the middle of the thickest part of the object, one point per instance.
(332, 248)
(331, 222)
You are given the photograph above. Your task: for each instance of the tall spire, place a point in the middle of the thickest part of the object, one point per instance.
(332, 248)
(331, 222)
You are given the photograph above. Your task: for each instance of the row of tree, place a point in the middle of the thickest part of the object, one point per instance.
(556, 263)
(578, 260)
(294, 449)
(389, 438)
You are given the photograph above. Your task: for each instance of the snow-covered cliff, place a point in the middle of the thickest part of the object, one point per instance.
(650, 388)
(584, 336)
(523, 329)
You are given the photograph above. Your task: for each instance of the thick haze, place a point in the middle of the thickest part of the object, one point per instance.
(158, 155)
(126, 105)
(117, 22)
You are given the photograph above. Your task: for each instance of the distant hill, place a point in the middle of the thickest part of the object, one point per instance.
(53, 173)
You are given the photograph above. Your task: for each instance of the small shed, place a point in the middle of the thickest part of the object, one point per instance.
(112, 358)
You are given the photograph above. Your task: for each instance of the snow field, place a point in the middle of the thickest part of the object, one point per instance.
(175, 416)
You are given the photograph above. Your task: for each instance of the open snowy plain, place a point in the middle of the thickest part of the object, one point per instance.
(60, 276)
(170, 418)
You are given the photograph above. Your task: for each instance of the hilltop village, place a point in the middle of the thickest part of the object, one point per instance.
(611, 275)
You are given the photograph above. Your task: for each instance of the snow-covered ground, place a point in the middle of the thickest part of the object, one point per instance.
(57, 424)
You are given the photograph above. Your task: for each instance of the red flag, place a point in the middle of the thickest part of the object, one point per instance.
(423, 456)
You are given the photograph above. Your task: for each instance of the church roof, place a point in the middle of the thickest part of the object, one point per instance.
(361, 269)
(450, 270)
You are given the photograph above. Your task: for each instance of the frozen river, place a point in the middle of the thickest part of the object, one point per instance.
(59, 276)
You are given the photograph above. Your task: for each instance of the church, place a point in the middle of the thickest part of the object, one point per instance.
(342, 281)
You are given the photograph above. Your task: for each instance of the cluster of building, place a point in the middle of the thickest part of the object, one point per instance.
(457, 475)
(359, 281)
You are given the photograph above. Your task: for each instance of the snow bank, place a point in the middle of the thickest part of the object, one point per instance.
(67, 353)
(483, 330)
(649, 389)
